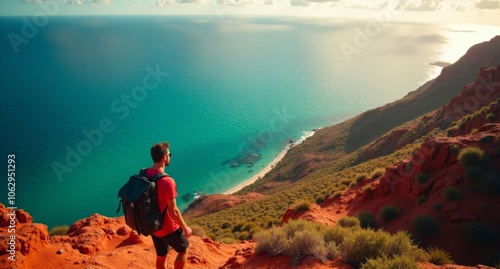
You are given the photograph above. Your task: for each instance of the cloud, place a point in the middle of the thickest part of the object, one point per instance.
(488, 4)
(299, 3)
(461, 8)
(420, 5)
(89, 2)
(323, 1)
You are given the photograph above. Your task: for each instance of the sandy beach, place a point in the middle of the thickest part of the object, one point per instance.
(268, 168)
(261, 174)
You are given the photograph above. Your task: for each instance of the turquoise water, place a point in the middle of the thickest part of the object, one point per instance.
(219, 89)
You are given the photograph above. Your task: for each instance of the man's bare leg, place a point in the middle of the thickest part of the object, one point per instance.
(160, 262)
(181, 260)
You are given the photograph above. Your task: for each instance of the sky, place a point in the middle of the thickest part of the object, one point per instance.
(485, 12)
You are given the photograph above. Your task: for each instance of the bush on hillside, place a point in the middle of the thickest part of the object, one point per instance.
(491, 117)
(321, 198)
(421, 199)
(480, 233)
(337, 194)
(377, 173)
(398, 262)
(272, 242)
(349, 222)
(303, 205)
(439, 256)
(422, 177)
(490, 184)
(332, 251)
(471, 156)
(59, 230)
(198, 231)
(454, 149)
(487, 139)
(365, 244)
(306, 243)
(426, 225)
(452, 193)
(389, 212)
(367, 220)
(300, 239)
(229, 240)
(361, 177)
(474, 173)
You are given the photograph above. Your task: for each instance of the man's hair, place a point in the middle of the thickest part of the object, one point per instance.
(159, 150)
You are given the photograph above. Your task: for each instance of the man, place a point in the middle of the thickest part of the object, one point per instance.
(174, 232)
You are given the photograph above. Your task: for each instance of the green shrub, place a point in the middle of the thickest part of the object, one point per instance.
(426, 225)
(302, 206)
(362, 245)
(337, 194)
(238, 227)
(321, 199)
(306, 243)
(389, 212)
(490, 184)
(300, 239)
(361, 177)
(454, 149)
(229, 240)
(377, 173)
(346, 182)
(398, 262)
(243, 236)
(59, 230)
(479, 233)
(367, 220)
(439, 256)
(401, 244)
(421, 199)
(332, 251)
(487, 139)
(491, 117)
(272, 241)
(422, 177)
(474, 173)
(452, 193)
(198, 231)
(349, 222)
(438, 206)
(471, 156)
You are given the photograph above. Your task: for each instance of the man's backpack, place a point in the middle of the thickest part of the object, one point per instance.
(140, 203)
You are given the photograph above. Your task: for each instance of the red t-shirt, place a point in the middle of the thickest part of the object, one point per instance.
(165, 190)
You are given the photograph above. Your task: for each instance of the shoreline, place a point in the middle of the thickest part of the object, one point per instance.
(260, 174)
(270, 166)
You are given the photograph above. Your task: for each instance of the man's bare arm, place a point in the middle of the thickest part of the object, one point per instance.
(176, 215)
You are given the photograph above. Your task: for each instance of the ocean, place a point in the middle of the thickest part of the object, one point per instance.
(85, 97)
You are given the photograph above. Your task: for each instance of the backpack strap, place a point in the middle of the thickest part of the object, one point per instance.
(142, 172)
(154, 179)
(158, 176)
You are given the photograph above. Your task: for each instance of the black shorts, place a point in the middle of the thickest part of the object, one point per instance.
(177, 240)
